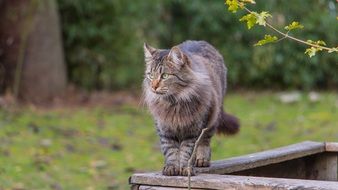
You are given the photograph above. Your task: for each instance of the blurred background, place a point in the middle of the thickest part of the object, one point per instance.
(71, 72)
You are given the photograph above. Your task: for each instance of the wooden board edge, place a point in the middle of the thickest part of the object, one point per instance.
(147, 187)
(331, 147)
(215, 181)
(264, 158)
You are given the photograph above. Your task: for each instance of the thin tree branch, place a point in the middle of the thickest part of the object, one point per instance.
(193, 156)
(291, 37)
(283, 37)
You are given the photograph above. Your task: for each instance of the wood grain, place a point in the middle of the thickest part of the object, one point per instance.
(325, 167)
(306, 160)
(322, 166)
(147, 187)
(331, 147)
(263, 158)
(218, 182)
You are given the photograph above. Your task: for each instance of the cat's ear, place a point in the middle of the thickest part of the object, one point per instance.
(177, 56)
(148, 51)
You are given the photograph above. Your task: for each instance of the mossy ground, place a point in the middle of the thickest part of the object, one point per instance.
(99, 148)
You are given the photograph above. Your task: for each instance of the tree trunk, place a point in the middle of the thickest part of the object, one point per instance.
(32, 55)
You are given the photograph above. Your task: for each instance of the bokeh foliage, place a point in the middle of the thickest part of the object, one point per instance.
(103, 40)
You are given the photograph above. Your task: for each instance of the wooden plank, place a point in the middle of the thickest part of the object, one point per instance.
(218, 182)
(325, 167)
(293, 169)
(322, 166)
(263, 158)
(146, 187)
(331, 146)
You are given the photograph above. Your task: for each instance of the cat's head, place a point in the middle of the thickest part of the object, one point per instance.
(167, 72)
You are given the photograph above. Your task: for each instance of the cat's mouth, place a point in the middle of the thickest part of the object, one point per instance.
(160, 92)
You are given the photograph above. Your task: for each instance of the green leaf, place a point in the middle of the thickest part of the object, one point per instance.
(310, 41)
(248, 1)
(267, 39)
(319, 42)
(311, 51)
(250, 19)
(294, 25)
(261, 18)
(233, 5)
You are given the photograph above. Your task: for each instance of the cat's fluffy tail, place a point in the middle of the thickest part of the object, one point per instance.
(227, 124)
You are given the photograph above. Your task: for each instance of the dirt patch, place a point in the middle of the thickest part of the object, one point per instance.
(75, 98)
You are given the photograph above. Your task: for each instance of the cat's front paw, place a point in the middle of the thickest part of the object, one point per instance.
(171, 170)
(202, 162)
(185, 171)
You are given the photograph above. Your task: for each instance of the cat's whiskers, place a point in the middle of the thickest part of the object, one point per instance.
(160, 91)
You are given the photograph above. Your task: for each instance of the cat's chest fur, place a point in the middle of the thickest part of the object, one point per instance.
(178, 115)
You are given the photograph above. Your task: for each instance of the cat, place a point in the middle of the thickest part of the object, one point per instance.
(184, 89)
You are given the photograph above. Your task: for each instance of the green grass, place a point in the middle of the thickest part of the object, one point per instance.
(99, 148)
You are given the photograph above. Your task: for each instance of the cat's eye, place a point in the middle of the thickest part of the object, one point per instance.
(151, 75)
(165, 76)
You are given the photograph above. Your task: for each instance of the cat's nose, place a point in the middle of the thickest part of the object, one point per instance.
(155, 84)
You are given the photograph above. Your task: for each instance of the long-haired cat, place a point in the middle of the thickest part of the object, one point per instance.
(184, 89)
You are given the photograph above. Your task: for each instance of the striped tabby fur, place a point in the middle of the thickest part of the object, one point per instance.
(184, 89)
